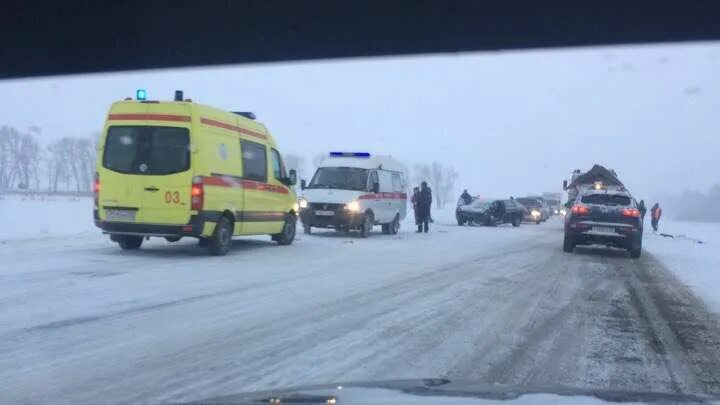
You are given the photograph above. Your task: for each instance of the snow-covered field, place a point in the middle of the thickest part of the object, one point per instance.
(83, 322)
(36, 217)
(696, 264)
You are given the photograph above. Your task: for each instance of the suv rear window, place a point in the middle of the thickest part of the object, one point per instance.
(606, 199)
(147, 150)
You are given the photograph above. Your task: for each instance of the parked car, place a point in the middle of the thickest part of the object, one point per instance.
(607, 217)
(490, 212)
(534, 210)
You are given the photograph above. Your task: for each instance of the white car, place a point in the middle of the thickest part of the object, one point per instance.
(354, 190)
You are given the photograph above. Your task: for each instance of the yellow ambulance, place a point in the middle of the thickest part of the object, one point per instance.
(174, 169)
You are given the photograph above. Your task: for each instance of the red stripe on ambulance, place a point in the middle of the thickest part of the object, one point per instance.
(230, 127)
(383, 196)
(149, 117)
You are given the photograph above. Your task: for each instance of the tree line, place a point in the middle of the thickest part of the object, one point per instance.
(29, 163)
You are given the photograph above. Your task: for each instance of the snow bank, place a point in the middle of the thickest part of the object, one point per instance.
(696, 264)
(32, 217)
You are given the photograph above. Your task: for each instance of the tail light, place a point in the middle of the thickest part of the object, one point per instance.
(197, 194)
(578, 209)
(96, 188)
(631, 212)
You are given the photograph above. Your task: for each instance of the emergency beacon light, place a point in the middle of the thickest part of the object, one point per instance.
(141, 94)
(350, 154)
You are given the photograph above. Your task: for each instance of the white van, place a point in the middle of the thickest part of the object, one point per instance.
(353, 190)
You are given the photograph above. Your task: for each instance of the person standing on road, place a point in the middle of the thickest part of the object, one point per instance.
(465, 197)
(424, 202)
(643, 209)
(655, 213)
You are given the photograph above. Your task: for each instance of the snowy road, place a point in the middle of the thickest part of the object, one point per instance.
(83, 322)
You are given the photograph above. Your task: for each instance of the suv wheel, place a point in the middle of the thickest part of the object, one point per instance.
(568, 244)
(129, 242)
(635, 249)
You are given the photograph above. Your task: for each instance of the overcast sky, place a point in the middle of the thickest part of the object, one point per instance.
(511, 122)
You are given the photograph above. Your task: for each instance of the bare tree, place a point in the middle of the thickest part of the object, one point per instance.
(440, 177)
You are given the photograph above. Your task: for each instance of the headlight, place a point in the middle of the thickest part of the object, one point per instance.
(535, 213)
(296, 207)
(353, 206)
(302, 203)
(563, 212)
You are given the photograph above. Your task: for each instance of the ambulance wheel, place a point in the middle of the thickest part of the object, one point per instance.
(307, 229)
(394, 226)
(287, 235)
(219, 243)
(129, 242)
(366, 226)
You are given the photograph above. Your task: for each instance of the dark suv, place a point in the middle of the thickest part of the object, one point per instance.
(606, 217)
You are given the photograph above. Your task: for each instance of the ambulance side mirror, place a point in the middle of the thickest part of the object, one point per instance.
(303, 184)
(292, 178)
(376, 188)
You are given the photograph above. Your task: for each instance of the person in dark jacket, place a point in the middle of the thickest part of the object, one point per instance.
(466, 197)
(655, 214)
(424, 202)
(643, 209)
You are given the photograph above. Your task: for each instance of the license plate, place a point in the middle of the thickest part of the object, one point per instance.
(324, 213)
(120, 215)
(603, 229)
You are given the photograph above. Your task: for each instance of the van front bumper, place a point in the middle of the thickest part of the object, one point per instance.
(340, 219)
(193, 228)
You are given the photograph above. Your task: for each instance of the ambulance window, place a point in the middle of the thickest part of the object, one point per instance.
(277, 165)
(397, 182)
(147, 150)
(254, 161)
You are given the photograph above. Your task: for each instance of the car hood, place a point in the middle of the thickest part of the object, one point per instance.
(443, 391)
(330, 196)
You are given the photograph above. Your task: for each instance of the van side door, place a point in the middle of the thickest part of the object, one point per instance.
(256, 213)
(372, 200)
(387, 202)
(399, 195)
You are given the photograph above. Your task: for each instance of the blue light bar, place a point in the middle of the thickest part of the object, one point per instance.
(141, 95)
(350, 154)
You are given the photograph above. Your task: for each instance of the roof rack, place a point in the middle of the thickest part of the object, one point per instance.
(246, 114)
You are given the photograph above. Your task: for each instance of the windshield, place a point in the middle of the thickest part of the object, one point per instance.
(480, 205)
(159, 251)
(147, 150)
(529, 202)
(343, 178)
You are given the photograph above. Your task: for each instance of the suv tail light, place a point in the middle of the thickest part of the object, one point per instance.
(578, 209)
(197, 194)
(631, 212)
(96, 189)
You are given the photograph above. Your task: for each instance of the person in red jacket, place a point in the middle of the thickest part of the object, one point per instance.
(655, 213)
